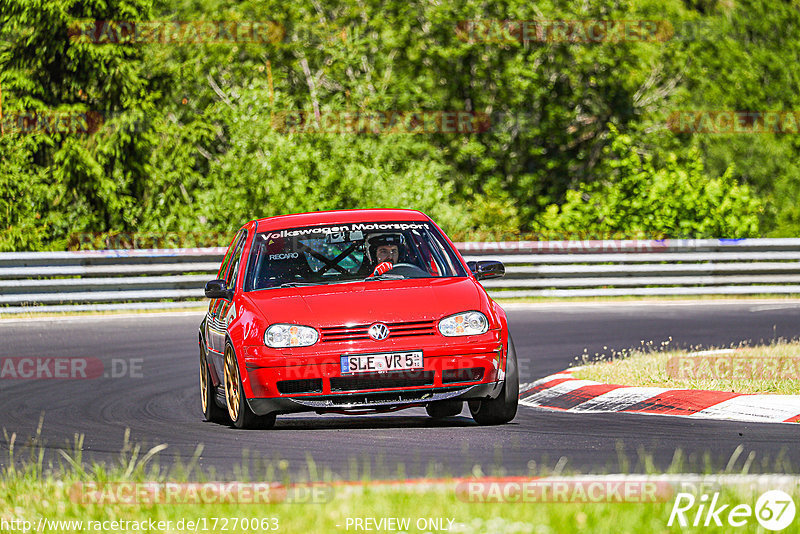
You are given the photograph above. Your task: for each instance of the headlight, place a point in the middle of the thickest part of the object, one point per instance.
(464, 324)
(280, 336)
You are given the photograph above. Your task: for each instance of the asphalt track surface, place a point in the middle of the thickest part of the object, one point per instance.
(160, 402)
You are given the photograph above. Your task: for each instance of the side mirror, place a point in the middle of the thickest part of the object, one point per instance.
(484, 270)
(216, 289)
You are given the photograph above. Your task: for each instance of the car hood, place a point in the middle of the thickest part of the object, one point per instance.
(368, 302)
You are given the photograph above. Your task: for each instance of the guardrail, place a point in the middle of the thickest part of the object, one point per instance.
(174, 278)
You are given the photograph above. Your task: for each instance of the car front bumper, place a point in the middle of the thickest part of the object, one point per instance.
(373, 400)
(310, 379)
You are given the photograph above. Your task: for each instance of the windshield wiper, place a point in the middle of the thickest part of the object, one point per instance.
(299, 284)
(385, 277)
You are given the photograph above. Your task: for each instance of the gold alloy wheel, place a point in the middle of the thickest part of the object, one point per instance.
(204, 380)
(232, 393)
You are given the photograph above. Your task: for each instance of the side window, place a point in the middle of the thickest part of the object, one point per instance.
(236, 260)
(443, 256)
(228, 255)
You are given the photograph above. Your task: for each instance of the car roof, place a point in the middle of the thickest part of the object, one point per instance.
(339, 217)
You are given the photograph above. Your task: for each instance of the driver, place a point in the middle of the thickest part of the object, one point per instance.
(388, 253)
(385, 250)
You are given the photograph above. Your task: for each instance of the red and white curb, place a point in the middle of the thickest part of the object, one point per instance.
(562, 391)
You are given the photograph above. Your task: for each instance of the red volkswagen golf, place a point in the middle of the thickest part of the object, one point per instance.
(355, 311)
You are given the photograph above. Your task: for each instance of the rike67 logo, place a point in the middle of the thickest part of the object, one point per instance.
(774, 510)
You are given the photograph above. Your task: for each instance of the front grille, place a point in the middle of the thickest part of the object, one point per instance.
(310, 385)
(471, 374)
(359, 332)
(392, 379)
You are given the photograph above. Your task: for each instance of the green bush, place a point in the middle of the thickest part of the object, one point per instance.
(632, 196)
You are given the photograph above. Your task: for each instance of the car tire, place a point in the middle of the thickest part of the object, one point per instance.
(446, 408)
(238, 410)
(502, 409)
(208, 393)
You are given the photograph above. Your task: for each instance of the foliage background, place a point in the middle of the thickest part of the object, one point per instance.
(578, 144)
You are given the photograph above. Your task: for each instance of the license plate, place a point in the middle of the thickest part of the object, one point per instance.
(376, 363)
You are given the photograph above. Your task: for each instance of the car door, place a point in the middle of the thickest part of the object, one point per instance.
(220, 309)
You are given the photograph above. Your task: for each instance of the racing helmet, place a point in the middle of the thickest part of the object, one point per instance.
(376, 240)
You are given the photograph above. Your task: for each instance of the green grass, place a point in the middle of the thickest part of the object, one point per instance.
(30, 491)
(34, 499)
(202, 306)
(772, 369)
(663, 298)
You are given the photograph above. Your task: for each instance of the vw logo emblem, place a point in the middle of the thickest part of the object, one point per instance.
(378, 331)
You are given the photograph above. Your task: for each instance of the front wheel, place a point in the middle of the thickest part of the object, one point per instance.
(502, 409)
(238, 410)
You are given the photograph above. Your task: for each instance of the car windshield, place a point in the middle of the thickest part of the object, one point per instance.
(349, 252)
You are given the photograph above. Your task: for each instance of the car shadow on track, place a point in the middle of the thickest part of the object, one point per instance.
(371, 422)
